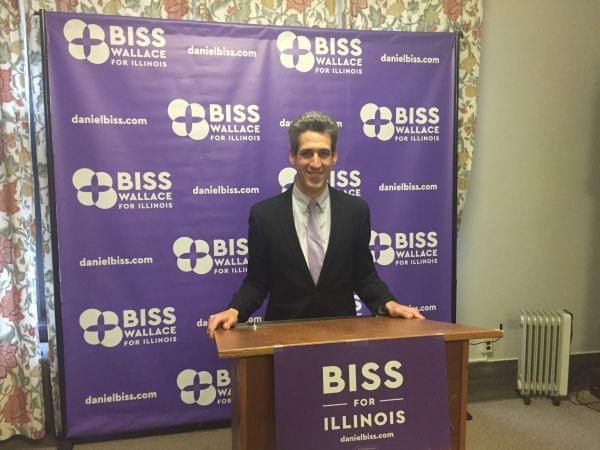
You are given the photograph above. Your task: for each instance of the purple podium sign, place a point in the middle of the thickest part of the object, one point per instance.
(164, 133)
(371, 395)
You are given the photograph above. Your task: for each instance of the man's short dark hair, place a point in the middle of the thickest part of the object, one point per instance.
(312, 121)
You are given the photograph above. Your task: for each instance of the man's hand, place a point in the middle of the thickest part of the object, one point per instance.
(225, 319)
(395, 309)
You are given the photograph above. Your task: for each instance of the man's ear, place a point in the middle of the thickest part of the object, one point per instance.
(291, 157)
(334, 157)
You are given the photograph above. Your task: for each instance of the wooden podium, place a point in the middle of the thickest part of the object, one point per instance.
(251, 347)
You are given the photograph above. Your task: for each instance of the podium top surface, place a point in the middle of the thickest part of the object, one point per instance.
(248, 340)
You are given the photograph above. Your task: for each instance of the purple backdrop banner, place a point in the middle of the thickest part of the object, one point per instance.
(164, 133)
(376, 395)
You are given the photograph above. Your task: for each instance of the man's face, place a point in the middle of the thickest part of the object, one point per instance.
(313, 162)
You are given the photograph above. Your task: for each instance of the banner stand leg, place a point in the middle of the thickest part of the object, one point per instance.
(65, 444)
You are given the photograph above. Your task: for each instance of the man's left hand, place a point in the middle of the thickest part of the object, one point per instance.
(395, 309)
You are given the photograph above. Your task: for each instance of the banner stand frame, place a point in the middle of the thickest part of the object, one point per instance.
(64, 441)
(53, 224)
(457, 36)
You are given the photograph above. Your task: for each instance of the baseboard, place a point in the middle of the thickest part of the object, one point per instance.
(497, 379)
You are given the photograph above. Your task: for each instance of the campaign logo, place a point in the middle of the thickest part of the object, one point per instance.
(323, 55)
(377, 122)
(100, 328)
(400, 123)
(295, 52)
(193, 255)
(286, 178)
(203, 388)
(403, 249)
(219, 256)
(218, 122)
(94, 188)
(134, 328)
(128, 46)
(126, 190)
(188, 119)
(86, 42)
(382, 249)
(348, 181)
(367, 382)
(358, 305)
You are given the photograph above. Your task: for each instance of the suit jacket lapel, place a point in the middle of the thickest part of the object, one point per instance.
(285, 216)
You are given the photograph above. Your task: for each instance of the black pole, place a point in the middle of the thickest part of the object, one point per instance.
(54, 228)
(457, 36)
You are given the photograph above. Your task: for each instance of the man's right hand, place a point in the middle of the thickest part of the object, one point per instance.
(225, 319)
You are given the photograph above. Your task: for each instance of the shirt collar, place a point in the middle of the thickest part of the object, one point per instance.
(304, 199)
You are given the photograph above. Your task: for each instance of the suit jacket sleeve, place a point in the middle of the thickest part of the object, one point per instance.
(256, 285)
(371, 289)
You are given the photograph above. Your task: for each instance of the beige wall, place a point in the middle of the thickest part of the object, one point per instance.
(530, 236)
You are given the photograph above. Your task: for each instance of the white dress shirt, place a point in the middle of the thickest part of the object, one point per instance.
(300, 203)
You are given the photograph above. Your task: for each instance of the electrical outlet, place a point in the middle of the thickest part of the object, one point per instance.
(486, 348)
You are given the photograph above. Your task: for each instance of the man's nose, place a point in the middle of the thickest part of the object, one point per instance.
(315, 161)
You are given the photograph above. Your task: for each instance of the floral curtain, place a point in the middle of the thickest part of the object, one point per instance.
(307, 13)
(21, 398)
(21, 409)
(436, 15)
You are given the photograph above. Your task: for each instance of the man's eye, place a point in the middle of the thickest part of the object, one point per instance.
(323, 154)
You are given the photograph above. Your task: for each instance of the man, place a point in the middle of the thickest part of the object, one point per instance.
(309, 247)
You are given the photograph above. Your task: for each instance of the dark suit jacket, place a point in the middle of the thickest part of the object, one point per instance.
(276, 264)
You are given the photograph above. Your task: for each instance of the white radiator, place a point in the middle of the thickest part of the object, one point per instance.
(544, 362)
